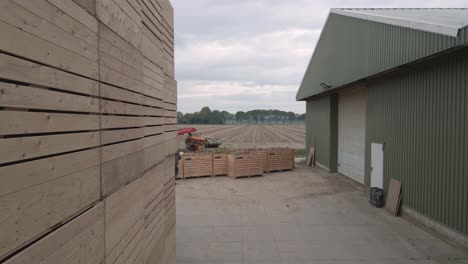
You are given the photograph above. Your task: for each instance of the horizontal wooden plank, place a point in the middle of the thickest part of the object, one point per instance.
(130, 245)
(32, 212)
(136, 6)
(23, 19)
(17, 149)
(114, 45)
(113, 107)
(88, 5)
(129, 10)
(25, 175)
(111, 136)
(154, 140)
(19, 96)
(20, 122)
(79, 241)
(110, 14)
(151, 51)
(16, 69)
(27, 45)
(71, 8)
(154, 130)
(109, 121)
(65, 21)
(121, 67)
(123, 209)
(121, 171)
(116, 93)
(153, 185)
(109, 75)
(154, 155)
(119, 150)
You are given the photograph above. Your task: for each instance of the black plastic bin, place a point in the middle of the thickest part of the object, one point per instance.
(377, 197)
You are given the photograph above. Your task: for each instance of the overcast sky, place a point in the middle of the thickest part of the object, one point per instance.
(252, 54)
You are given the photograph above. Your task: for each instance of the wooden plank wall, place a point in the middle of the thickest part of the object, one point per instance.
(88, 131)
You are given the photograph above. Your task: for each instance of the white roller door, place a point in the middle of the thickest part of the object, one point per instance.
(352, 133)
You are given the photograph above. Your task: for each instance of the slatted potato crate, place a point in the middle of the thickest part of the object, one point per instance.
(197, 165)
(180, 165)
(262, 155)
(220, 164)
(244, 165)
(280, 159)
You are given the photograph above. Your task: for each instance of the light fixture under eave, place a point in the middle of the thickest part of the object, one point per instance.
(325, 86)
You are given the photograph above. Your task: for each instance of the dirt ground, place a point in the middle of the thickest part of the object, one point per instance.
(305, 216)
(253, 136)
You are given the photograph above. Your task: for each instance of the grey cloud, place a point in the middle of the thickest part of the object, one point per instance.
(263, 43)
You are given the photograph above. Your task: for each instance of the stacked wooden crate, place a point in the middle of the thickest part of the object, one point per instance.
(244, 165)
(197, 165)
(180, 166)
(87, 132)
(262, 156)
(220, 164)
(280, 159)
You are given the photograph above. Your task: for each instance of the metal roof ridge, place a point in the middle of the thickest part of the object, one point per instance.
(443, 29)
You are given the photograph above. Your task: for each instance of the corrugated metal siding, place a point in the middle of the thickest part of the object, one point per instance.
(321, 130)
(422, 117)
(350, 49)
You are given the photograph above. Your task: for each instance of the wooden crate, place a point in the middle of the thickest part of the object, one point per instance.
(220, 164)
(180, 165)
(280, 159)
(244, 165)
(262, 155)
(197, 165)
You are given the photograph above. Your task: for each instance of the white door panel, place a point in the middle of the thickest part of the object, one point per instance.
(377, 158)
(352, 133)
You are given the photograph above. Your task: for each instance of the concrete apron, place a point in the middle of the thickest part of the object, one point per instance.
(438, 228)
(302, 216)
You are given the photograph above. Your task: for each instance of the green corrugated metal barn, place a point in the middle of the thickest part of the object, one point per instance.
(387, 97)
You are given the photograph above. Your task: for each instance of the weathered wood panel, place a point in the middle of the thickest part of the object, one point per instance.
(21, 122)
(123, 210)
(20, 96)
(112, 15)
(88, 5)
(79, 241)
(34, 210)
(12, 68)
(88, 112)
(19, 43)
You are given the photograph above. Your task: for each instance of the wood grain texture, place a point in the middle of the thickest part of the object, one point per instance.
(87, 138)
(21, 42)
(17, 149)
(112, 15)
(21, 122)
(16, 69)
(79, 241)
(123, 210)
(20, 96)
(33, 211)
(88, 5)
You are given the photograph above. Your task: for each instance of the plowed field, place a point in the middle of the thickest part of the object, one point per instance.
(253, 136)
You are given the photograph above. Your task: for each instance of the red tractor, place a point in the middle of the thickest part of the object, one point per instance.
(195, 143)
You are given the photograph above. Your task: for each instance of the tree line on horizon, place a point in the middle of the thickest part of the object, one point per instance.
(216, 117)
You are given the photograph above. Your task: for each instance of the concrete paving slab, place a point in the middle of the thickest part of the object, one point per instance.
(303, 216)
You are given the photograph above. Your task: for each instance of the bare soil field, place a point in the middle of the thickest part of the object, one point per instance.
(253, 136)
